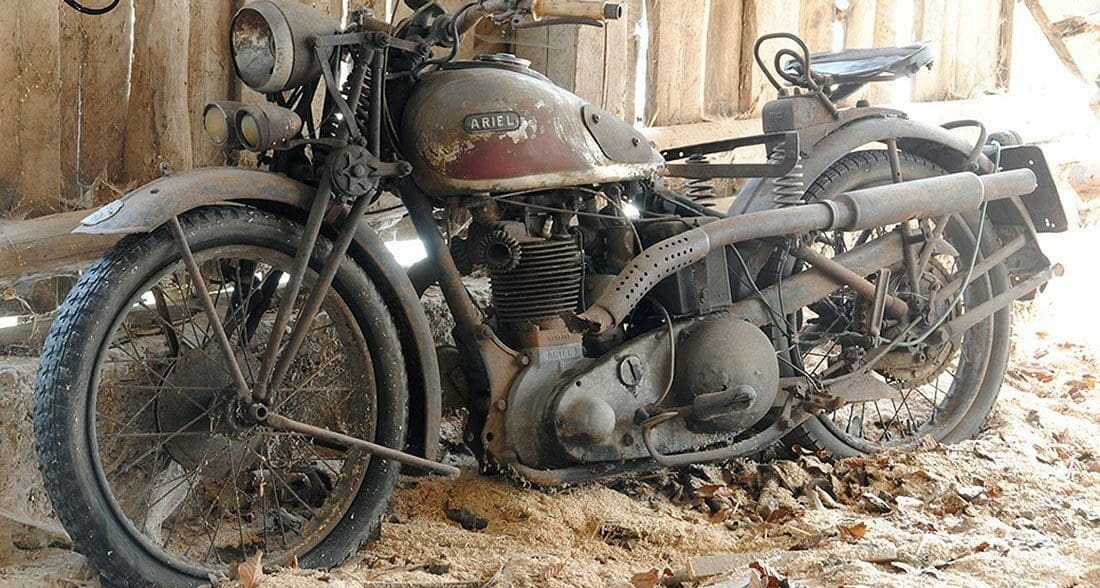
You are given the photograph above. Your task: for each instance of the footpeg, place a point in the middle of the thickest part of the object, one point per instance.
(714, 405)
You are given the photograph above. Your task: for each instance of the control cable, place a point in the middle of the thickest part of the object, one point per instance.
(77, 6)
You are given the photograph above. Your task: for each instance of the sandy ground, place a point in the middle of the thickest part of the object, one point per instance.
(1019, 506)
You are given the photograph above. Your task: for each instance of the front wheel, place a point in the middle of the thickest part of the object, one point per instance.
(944, 391)
(145, 456)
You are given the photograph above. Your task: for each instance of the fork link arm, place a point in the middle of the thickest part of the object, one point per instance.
(320, 288)
(282, 423)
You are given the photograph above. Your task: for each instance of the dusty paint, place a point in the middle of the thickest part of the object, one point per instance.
(549, 148)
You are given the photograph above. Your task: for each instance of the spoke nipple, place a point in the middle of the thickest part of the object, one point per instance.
(501, 405)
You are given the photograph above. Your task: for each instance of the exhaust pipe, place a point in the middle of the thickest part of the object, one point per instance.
(853, 211)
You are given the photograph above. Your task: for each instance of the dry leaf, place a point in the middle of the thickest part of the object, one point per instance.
(251, 571)
(852, 533)
(765, 576)
(293, 563)
(647, 579)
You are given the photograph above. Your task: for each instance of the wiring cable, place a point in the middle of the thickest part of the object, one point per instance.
(77, 6)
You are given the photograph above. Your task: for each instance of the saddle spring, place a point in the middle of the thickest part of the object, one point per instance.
(701, 191)
(789, 190)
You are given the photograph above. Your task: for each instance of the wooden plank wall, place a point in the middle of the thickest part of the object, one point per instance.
(93, 104)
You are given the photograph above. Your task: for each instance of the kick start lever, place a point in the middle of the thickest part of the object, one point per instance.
(281, 423)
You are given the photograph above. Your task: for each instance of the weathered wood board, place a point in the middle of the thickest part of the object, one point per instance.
(95, 87)
(158, 128)
(761, 17)
(30, 161)
(676, 63)
(723, 60)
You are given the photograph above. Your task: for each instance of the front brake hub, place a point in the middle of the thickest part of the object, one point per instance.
(198, 409)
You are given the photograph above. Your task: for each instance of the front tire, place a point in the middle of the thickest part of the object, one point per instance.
(126, 374)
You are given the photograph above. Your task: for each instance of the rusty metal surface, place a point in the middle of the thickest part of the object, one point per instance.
(867, 126)
(282, 423)
(272, 44)
(809, 286)
(1043, 207)
(858, 210)
(150, 206)
(619, 141)
(839, 272)
(548, 147)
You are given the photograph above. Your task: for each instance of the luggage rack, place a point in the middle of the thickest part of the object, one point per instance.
(835, 75)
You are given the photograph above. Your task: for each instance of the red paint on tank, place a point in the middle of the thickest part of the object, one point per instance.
(500, 157)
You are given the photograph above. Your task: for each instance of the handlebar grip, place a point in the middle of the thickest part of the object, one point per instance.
(576, 8)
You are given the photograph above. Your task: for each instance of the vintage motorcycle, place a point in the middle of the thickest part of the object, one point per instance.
(249, 367)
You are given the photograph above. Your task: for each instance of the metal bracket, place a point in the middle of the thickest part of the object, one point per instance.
(790, 149)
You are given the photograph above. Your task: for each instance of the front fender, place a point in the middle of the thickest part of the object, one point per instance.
(939, 145)
(144, 209)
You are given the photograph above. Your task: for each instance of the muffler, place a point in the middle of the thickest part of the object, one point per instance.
(854, 211)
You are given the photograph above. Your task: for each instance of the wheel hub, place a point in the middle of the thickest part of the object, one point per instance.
(199, 404)
(926, 362)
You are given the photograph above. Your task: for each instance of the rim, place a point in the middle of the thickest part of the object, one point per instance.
(194, 486)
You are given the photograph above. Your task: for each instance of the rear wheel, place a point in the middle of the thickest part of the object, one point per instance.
(145, 454)
(944, 391)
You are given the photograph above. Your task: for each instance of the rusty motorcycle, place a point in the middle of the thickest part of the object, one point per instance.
(249, 367)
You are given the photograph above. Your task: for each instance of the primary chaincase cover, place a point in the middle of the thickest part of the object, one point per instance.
(495, 125)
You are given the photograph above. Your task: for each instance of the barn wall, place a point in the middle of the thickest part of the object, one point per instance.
(93, 104)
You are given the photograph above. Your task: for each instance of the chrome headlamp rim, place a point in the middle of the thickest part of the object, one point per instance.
(227, 110)
(281, 43)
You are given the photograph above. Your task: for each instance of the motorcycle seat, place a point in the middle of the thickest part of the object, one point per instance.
(861, 66)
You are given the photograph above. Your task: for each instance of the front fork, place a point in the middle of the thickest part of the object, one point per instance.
(356, 172)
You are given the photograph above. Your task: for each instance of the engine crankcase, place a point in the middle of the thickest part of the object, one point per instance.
(573, 410)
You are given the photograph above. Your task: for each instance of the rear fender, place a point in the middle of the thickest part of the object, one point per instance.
(150, 206)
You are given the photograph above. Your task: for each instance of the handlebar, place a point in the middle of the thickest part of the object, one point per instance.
(597, 10)
(589, 9)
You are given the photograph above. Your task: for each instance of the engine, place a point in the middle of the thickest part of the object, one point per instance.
(546, 255)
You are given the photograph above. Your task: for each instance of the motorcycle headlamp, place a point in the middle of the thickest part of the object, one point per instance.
(272, 44)
(266, 126)
(218, 121)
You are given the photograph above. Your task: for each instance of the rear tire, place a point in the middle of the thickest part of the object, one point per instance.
(864, 169)
(86, 499)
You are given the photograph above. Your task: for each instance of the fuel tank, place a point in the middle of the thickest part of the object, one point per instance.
(495, 125)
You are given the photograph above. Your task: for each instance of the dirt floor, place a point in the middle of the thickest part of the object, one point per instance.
(1019, 506)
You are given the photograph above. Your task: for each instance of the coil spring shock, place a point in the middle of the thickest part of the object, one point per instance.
(790, 190)
(332, 124)
(700, 191)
